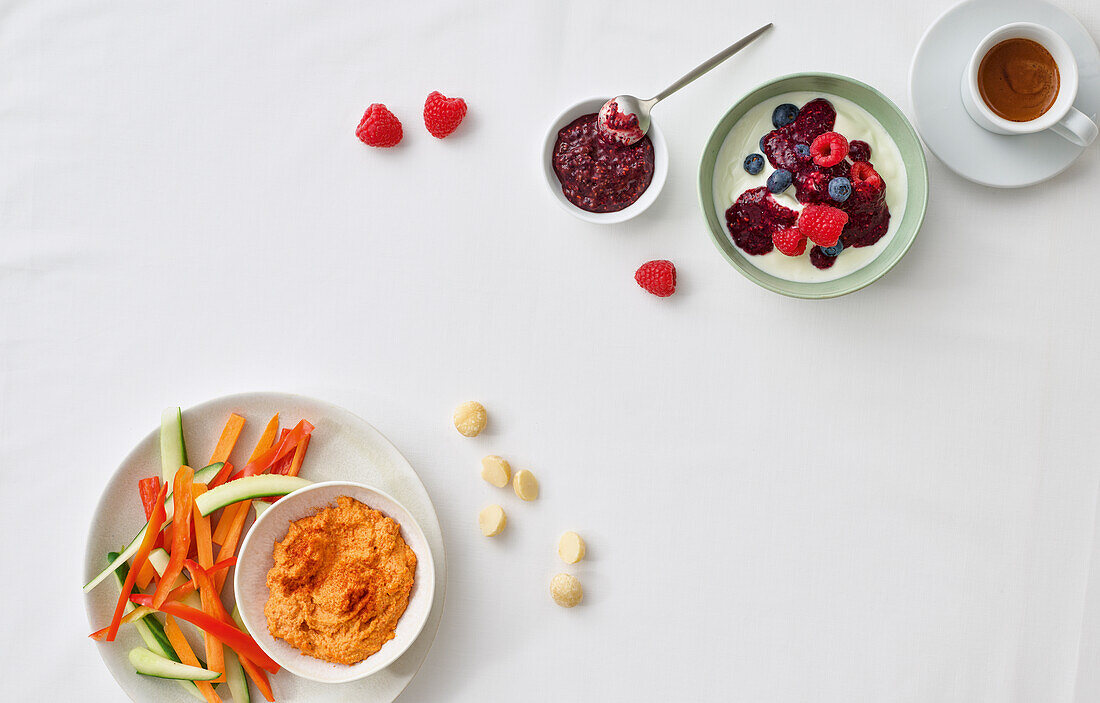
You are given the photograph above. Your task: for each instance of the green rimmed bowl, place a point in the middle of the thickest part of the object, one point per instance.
(897, 126)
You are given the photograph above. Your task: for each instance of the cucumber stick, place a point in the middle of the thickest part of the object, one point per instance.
(152, 664)
(152, 632)
(234, 678)
(173, 452)
(247, 488)
(203, 476)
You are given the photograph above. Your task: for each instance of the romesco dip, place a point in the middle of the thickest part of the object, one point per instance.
(341, 581)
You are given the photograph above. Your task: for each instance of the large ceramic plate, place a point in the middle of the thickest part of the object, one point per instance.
(344, 447)
(896, 125)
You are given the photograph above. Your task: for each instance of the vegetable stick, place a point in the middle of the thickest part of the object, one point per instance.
(221, 476)
(299, 457)
(148, 488)
(240, 642)
(269, 458)
(228, 440)
(135, 614)
(181, 534)
(228, 515)
(188, 587)
(151, 530)
(229, 548)
(211, 605)
(258, 675)
(145, 575)
(204, 550)
(187, 656)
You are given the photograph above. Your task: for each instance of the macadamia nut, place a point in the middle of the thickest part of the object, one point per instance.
(571, 547)
(470, 418)
(496, 470)
(492, 520)
(566, 590)
(525, 485)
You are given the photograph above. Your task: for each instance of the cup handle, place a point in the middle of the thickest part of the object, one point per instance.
(1076, 127)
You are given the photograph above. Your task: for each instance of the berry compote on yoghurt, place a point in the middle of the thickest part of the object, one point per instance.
(598, 175)
(810, 187)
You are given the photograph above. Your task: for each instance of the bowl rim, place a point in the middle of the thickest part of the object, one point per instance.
(804, 289)
(428, 587)
(647, 198)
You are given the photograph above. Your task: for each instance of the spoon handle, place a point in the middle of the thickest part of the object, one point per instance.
(710, 63)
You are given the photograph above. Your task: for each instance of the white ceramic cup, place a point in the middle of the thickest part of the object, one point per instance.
(1062, 118)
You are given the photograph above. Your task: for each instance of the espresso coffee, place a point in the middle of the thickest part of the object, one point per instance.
(1018, 80)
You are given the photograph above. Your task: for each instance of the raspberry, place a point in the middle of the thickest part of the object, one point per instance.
(657, 277)
(379, 127)
(790, 241)
(443, 115)
(859, 150)
(863, 172)
(829, 149)
(822, 224)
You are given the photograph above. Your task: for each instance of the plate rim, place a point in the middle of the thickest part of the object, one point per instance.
(429, 630)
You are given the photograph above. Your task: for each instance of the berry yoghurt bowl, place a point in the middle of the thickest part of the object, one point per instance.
(597, 180)
(813, 185)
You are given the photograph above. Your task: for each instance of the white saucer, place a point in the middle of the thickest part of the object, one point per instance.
(967, 149)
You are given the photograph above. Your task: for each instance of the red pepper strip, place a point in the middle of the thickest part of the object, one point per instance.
(176, 594)
(221, 476)
(151, 531)
(238, 641)
(148, 488)
(181, 533)
(263, 462)
(135, 614)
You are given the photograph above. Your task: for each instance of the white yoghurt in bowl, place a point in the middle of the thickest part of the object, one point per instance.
(852, 121)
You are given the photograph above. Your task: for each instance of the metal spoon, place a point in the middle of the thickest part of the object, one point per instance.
(626, 119)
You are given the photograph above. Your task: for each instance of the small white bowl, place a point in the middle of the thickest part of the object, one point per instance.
(660, 167)
(256, 559)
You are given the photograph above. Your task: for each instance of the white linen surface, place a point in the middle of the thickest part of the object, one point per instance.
(886, 497)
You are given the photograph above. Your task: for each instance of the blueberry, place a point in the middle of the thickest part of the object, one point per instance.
(754, 164)
(802, 150)
(833, 250)
(784, 115)
(762, 141)
(779, 181)
(840, 188)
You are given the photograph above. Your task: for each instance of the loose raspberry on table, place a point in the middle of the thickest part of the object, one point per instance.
(822, 224)
(829, 149)
(657, 277)
(443, 115)
(379, 127)
(790, 241)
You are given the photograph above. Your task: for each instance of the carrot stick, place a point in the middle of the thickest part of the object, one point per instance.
(259, 677)
(299, 456)
(204, 550)
(181, 534)
(187, 655)
(212, 605)
(228, 440)
(135, 614)
(229, 548)
(229, 514)
(145, 575)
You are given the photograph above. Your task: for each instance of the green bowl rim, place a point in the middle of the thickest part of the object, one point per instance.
(706, 200)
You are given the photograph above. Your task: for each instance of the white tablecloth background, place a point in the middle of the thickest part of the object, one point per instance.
(886, 497)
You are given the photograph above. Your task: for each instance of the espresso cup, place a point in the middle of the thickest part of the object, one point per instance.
(1062, 118)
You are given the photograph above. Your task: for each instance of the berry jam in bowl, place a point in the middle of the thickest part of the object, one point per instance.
(813, 185)
(598, 181)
